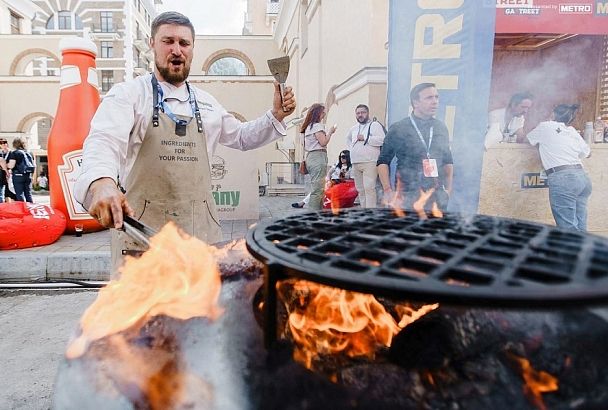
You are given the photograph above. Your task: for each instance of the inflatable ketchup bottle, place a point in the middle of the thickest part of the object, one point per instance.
(78, 101)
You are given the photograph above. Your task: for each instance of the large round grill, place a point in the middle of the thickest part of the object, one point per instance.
(470, 260)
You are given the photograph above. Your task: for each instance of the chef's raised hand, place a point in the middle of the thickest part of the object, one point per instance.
(285, 107)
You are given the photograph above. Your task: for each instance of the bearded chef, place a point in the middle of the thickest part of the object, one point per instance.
(147, 153)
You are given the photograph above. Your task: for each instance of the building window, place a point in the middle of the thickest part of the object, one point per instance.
(106, 22)
(15, 23)
(107, 49)
(228, 66)
(65, 20)
(78, 22)
(107, 80)
(50, 23)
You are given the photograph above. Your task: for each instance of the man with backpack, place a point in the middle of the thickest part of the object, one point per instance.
(364, 141)
(21, 167)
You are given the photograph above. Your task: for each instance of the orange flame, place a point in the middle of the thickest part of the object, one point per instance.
(421, 202)
(152, 378)
(334, 321)
(435, 211)
(396, 203)
(177, 277)
(536, 382)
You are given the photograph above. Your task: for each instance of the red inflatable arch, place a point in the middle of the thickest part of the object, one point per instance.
(24, 225)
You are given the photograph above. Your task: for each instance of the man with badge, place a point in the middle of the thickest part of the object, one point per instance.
(147, 153)
(420, 143)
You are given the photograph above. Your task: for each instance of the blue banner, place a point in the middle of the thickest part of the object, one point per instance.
(449, 43)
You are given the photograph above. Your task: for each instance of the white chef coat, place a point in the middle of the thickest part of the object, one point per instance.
(121, 121)
(496, 119)
(558, 144)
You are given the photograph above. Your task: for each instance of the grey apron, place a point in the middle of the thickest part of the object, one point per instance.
(170, 181)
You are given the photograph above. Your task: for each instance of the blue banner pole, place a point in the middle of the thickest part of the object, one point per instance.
(449, 43)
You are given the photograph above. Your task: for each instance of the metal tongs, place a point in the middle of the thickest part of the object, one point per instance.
(138, 231)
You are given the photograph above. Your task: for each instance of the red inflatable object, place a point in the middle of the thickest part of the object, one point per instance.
(340, 195)
(24, 225)
(78, 101)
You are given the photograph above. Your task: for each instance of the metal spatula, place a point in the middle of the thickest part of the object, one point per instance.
(279, 68)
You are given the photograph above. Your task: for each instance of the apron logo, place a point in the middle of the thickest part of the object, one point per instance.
(218, 168)
(232, 198)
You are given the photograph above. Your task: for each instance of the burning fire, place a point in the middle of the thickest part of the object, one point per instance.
(536, 382)
(177, 277)
(396, 203)
(325, 321)
(421, 203)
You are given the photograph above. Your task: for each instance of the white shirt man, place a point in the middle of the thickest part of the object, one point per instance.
(364, 141)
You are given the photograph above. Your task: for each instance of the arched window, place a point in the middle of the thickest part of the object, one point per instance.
(228, 66)
(64, 20)
(50, 23)
(77, 22)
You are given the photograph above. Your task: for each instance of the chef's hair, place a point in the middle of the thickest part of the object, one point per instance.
(565, 113)
(171, 17)
(519, 97)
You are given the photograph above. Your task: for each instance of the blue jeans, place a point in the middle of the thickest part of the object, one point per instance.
(23, 187)
(569, 191)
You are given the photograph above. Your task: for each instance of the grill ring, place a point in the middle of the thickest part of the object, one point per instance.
(475, 260)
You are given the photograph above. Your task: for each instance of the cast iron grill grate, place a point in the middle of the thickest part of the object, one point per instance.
(466, 260)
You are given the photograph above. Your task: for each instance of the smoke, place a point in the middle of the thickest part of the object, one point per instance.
(566, 72)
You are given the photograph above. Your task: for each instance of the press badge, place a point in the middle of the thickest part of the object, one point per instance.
(429, 167)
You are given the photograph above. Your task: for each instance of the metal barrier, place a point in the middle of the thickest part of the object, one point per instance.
(284, 178)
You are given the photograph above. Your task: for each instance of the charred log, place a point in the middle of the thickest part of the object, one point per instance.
(445, 335)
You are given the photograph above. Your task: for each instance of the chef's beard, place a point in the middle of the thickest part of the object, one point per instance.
(173, 77)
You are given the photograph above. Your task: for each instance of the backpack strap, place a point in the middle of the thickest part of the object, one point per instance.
(369, 129)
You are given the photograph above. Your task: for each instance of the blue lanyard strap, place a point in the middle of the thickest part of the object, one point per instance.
(159, 103)
(428, 147)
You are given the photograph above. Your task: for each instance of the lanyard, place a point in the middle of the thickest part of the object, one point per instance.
(428, 147)
(159, 103)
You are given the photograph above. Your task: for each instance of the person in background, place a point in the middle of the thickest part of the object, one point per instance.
(148, 150)
(424, 158)
(509, 122)
(342, 170)
(315, 145)
(42, 181)
(302, 203)
(4, 151)
(561, 148)
(364, 141)
(22, 180)
(338, 173)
